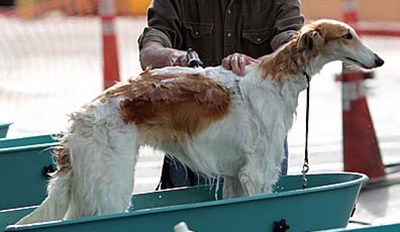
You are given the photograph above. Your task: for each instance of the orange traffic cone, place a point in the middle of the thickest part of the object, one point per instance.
(360, 145)
(108, 13)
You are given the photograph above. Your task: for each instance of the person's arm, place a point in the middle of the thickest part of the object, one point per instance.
(163, 34)
(289, 20)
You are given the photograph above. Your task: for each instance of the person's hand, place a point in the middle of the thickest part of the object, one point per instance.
(179, 58)
(157, 56)
(174, 57)
(237, 63)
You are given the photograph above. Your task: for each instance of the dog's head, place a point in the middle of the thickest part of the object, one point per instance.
(334, 40)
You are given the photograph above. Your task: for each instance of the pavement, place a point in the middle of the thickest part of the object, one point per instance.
(51, 66)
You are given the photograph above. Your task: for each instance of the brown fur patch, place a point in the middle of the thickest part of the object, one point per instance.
(295, 55)
(280, 64)
(330, 31)
(173, 106)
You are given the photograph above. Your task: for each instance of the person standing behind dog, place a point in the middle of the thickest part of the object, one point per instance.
(231, 33)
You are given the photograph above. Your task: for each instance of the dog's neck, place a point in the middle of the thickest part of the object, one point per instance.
(288, 62)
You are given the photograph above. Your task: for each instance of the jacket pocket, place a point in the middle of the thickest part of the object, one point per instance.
(257, 42)
(199, 37)
(198, 30)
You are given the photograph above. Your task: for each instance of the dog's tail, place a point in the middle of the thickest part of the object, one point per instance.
(55, 206)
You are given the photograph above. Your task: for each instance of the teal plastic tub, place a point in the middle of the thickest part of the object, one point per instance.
(326, 204)
(22, 165)
(26, 141)
(4, 129)
(381, 228)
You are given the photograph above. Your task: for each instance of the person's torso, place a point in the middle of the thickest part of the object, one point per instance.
(218, 28)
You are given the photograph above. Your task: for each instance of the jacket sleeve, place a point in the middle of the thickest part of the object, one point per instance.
(164, 24)
(289, 19)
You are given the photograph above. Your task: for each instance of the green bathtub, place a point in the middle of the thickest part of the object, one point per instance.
(4, 129)
(22, 162)
(326, 204)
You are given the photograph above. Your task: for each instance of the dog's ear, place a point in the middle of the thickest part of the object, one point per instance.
(310, 39)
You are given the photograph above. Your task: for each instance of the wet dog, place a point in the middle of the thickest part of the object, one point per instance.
(210, 119)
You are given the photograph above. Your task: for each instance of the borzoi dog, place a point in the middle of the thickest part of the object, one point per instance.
(212, 120)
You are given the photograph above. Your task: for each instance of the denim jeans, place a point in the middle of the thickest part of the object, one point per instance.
(174, 174)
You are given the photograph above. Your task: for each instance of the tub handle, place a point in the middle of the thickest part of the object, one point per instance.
(46, 170)
(281, 226)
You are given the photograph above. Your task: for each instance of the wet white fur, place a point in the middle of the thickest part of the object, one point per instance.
(246, 147)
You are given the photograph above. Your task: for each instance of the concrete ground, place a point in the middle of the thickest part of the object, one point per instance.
(51, 66)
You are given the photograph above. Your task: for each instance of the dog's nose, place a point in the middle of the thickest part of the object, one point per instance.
(378, 61)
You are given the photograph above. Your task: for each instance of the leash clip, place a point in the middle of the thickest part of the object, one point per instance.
(306, 168)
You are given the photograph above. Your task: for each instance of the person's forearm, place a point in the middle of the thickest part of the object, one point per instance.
(155, 55)
(288, 21)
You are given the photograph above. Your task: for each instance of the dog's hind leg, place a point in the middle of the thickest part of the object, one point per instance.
(103, 166)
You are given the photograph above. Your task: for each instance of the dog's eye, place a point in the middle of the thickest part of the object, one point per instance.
(348, 36)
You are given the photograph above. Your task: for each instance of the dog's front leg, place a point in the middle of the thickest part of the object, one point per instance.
(252, 180)
(232, 188)
(260, 173)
